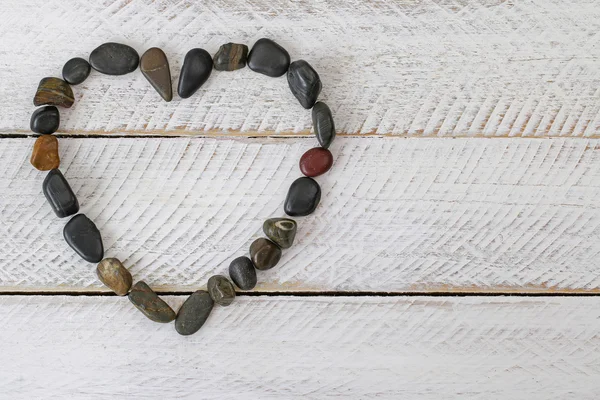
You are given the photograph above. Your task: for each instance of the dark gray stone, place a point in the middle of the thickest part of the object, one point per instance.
(231, 56)
(282, 231)
(194, 312)
(148, 302)
(304, 83)
(197, 66)
(83, 237)
(45, 120)
(114, 59)
(303, 197)
(221, 290)
(59, 194)
(323, 124)
(242, 273)
(264, 254)
(76, 70)
(268, 58)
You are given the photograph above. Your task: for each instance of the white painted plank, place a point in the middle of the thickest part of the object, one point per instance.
(287, 348)
(396, 215)
(467, 68)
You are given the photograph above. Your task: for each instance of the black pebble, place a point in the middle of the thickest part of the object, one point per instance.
(268, 58)
(76, 70)
(242, 273)
(197, 66)
(83, 237)
(304, 83)
(193, 313)
(303, 197)
(323, 124)
(114, 59)
(59, 194)
(45, 120)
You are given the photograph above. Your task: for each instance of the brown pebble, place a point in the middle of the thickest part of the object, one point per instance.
(231, 56)
(53, 92)
(114, 275)
(148, 302)
(264, 254)
(45, 153)
(155, 67)
(316, 162)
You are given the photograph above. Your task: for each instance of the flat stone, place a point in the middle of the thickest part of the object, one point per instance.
(197, 66)
(264, 254)
(323, 124)
(243, 273)
(53, 92)
(194, 312)
(281, 231)
(155, 67)
(268, 58)
(114, 275)
(114, 59)
(302, 198)
(76, 70)
(59, 194)
(316, 161)
(221, 290)
(45, 120)
(231, 56)
(83, 237)
(45, 153)
(148, 302)
(304, 83)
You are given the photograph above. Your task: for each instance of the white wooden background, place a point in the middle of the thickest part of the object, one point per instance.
(467, 162)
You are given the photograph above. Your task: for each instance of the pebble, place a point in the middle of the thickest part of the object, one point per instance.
(304, 83)
(197, 66)
(264, 254)
(45, 120)
(282, 231)
(302, 198)
(155, 67)
(83, 237)
(268, 58)
(53, 92)
(76, 70)
(114, 59)
(45, 153)
(231, 56)
(114, 275)
(148, 302)
(59, 194)
(316, 161)
(323, 124)
(221, 290)
(193, 313)
(242, 273)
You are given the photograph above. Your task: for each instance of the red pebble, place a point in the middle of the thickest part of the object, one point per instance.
(316, 161)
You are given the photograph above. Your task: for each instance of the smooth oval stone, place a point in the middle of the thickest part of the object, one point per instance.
(155, 67)
(323, 123)
(45, 120)
(268, 58)
(282, 231)
(53, 92)
(114, 275)
(231, 56)
(45, 153)
(194, 312)
(114, 59)
(76, 70)
(221, 290)
(197, 66)
(302, 198)
(148, 302)
(316, 161)
(243, 273)
(83, 237)
(59, 194)
(304, 83)
(264, 254)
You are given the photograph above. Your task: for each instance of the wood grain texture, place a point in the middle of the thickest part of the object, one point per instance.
(309, 348)
(396, 215)
(407, 68)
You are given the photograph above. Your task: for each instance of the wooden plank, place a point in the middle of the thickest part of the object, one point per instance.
(518, 215)
(286, 347)
(406, 68)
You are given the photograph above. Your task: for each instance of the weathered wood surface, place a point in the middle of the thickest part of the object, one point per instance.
(404, 67)
(396, 215)
(288, 348)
